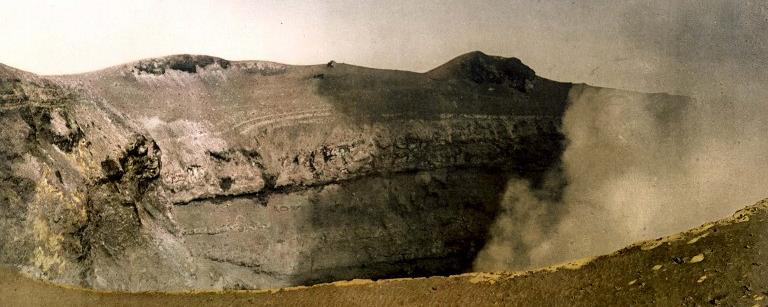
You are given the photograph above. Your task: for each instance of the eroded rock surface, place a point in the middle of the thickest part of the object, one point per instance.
(193, 172)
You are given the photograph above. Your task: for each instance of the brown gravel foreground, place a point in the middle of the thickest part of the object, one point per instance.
(720, 263)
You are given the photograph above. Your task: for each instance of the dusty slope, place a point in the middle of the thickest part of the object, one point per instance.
(720, 263)
(194, 172)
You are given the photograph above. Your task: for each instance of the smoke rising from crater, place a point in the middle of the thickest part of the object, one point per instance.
(643, 166)
(638, 167)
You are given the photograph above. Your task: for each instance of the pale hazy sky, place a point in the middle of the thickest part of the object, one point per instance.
(630, 44)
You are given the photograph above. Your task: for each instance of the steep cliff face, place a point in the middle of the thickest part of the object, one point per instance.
(192, 172)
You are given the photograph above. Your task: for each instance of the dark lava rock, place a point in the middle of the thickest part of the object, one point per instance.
(184, 62)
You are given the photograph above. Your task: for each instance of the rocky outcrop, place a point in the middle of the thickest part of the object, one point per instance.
(184, 62)
(193, 172)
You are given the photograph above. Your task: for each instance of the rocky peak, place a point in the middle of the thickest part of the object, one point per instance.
(481, 68)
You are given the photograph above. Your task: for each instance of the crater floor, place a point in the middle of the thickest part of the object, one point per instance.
(719, 263)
